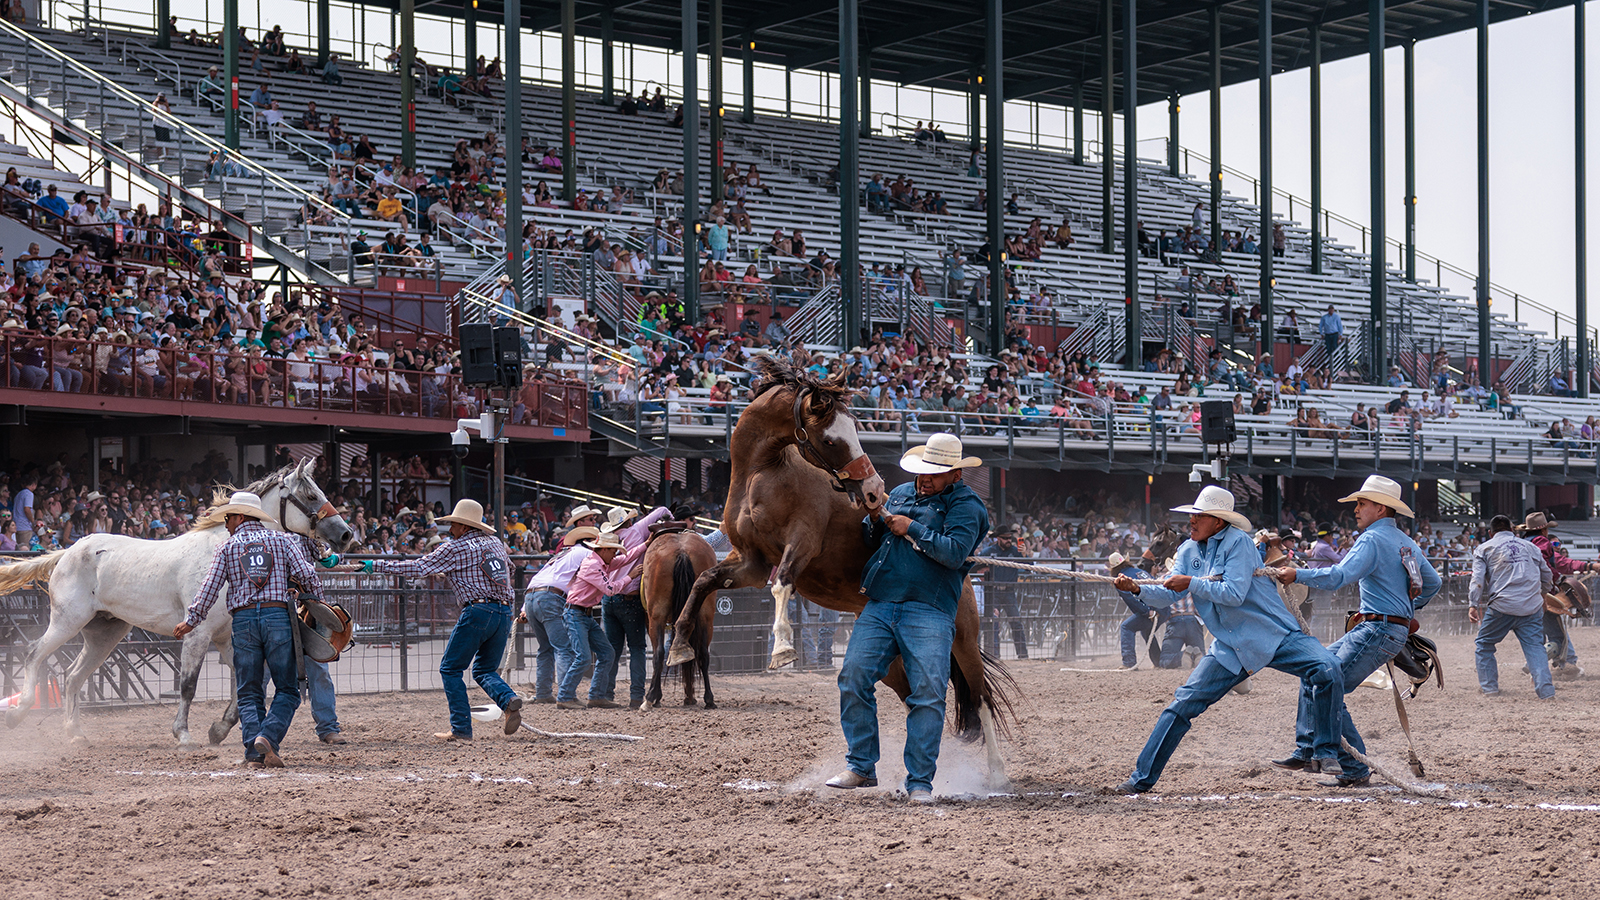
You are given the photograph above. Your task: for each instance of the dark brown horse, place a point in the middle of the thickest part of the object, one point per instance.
(799, 489)
(671, 566)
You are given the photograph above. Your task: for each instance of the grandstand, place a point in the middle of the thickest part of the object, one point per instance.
(278, 198)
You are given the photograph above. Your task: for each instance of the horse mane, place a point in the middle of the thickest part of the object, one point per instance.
(221, 493)
(776, 371)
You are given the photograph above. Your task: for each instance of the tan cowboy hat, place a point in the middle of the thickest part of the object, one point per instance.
(586, 533)
(505, 279)
(941, 453)
(606, 541)
(1537, 522)
(1382, 490)
(1117, 561)
(582, 510)
(468, 512)
(243, 503)
(617, 517)
(1215, 501)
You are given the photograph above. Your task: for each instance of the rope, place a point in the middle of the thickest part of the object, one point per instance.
(1395, 778)
(1090, 576)
(582, 734)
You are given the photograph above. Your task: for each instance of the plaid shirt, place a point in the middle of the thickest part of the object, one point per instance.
(477, 564)
(1183, 607)
(252, 576)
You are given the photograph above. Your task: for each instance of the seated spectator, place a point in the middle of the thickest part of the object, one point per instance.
(211, 85)
(330, 71)
(55, 205)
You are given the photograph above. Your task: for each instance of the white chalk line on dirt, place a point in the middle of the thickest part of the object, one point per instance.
(408, 778)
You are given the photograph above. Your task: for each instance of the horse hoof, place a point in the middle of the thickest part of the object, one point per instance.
(781, 658)
(680, 655)
(688, 703)
(78, 740)
(217, 734)
(710, 705)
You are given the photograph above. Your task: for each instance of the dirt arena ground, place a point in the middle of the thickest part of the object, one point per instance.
(729, 803)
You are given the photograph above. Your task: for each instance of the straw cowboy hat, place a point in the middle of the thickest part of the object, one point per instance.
(1385, 491)
(607, 541)
(581, 511)
(586, 533)
(468, 512)
(941, 453)
(1117, 561)
(1215, 501)
(1537, 522)
(243, 503)
(617, 517)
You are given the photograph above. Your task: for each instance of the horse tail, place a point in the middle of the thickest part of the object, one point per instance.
(998, 690)
(20, 573)
(683, 578)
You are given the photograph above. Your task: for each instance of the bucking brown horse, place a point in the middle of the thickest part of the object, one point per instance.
(799, 489)
(671, 565)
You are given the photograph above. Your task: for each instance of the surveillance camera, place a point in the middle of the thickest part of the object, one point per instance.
(460, 443)
(1194, 476)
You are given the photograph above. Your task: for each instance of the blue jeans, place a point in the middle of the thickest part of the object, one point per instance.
(921, 636)
(546, 612)
(1182, 631)
(1135, 625)
(1362, 651)
(1530, 631)
(1554, 628)
(479, 640)
(319, 684)
(263, 643)
(625, 621)
(589, 644)
(1299, 655)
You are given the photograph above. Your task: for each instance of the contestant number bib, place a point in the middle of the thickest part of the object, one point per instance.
(495, 569)
(257, 564)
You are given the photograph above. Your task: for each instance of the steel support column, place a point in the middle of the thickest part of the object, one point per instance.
(1410, 92)
(691, 158)
(1269, 325)
(1173, 108)
(849, 172)
(408, 83)
(1133, 336)
(608, 50)
(569, 100)
(994, 69)
(1077, 122)
(513, 51)
(975, 106)
(1108, 132)
(1216, 126)
(749, 112)
(1378, 352)
(230, 71)
(1316, 149)
(1580, 191)
(866, 91)
(714, 71)
(163, 42)
(1484, 363)
(469, 33)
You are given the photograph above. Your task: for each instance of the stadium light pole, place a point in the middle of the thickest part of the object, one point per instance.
(408, 83)
(1108, 132)
(1580, 191)
(994, 72)
(1378, 356)
(513, 52)
(691, 158)
(849, 173)
(749, 112)
(1482, 17)
(1316, 153)
(230, 63)
(569, 100)
(1134, 335)
(1268, 336)
(1216, 125)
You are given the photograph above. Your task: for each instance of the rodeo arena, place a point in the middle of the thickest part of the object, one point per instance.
(998, 502)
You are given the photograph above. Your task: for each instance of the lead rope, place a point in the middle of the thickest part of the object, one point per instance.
(1091, 576)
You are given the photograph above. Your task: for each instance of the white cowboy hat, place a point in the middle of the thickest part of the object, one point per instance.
(243, 503)
(468, 512)
(1216, 501)
(941, 453)
(581, 511)
(617, 517)
(586, 533)
(606, 541)
(1117, 561)
(1385, 491)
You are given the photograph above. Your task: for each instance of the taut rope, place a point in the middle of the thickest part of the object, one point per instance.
(1091, 576)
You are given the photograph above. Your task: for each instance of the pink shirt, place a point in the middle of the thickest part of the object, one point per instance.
(595, 579)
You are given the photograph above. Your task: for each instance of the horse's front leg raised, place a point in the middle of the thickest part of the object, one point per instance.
(733, 572)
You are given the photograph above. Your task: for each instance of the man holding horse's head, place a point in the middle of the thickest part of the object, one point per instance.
(921, 539)
(1216, 568)
(255, 565)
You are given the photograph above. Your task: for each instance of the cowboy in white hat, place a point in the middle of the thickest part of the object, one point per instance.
(928, 528)
(1536, 529)
(1384, 560)
(255, 564)
(1142, 622)
(1252, 628)
(479, 569)
(583, 514)
(622, 614)
(545, 608)
(1506, 595)
(603, 574)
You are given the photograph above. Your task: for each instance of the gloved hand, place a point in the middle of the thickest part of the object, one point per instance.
(329, 561)
(366, 567)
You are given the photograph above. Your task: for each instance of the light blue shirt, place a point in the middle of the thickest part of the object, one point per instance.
(1509, 574)
(1374, 561)
(1330, 323)
(1242, 610)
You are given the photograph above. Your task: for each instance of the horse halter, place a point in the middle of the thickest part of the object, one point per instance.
(315, 516)
(857, 470)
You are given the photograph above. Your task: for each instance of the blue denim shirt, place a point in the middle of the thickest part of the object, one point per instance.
(1242, 611)
(929, 563)
(1374, 561)
(1132, 601)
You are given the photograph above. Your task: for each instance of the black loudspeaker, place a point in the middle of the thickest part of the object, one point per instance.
(1216, 422)
(508, 356)
(478, 368)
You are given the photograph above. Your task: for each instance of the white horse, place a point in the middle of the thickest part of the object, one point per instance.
(105, 585)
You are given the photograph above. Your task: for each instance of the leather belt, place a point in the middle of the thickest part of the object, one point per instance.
(592, 612)
(478, 600)
(551, 590)
(265, 604)
(1359, 618)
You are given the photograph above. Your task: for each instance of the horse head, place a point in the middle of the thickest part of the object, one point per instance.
(300, 506)
(825, 431)
(1164, 542)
